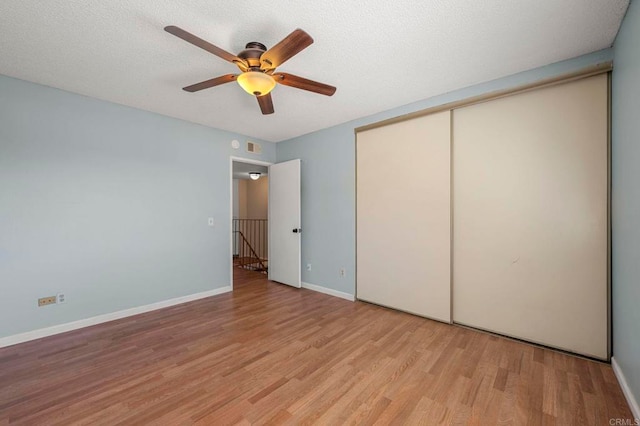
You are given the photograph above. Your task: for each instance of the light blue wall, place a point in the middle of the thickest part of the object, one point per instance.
(626, 198)
(328, 176)
(107, 204)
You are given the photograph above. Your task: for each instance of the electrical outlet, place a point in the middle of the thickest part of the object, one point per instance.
(60, 298)
(50, 300)
(308, 266)
(343, 272)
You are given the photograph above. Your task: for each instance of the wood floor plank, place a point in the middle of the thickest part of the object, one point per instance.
(271, 354)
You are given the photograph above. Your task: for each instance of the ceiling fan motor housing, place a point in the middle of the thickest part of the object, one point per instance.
(252, 53)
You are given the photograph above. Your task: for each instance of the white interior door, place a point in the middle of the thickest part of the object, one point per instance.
(284, 223)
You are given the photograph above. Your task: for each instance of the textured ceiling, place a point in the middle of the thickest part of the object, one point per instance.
(379, 54)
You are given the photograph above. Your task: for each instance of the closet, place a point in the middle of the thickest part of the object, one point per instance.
(493, 215)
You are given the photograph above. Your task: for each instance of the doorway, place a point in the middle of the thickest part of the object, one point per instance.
(249, 219)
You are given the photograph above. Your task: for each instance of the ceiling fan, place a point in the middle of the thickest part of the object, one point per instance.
(258, 76)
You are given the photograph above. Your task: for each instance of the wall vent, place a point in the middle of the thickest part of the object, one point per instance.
(254, 148)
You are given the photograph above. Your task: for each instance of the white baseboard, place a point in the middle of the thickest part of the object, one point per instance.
(631, 399)
(69, 326)
(329, 291)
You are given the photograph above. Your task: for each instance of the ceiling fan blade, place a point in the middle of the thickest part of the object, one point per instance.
(303, 83)
(228, 78)
(266, 103)
(197, 41)
(286, 49)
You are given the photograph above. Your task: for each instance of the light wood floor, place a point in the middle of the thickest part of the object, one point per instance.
(270, 354)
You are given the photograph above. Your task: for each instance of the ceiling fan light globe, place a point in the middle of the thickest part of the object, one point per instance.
(256, 83)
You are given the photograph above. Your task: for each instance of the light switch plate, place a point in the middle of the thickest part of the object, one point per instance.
(211, 222)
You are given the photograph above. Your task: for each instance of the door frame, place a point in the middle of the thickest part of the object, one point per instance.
(233, 159)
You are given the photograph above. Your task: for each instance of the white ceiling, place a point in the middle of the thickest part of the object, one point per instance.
(380, 54)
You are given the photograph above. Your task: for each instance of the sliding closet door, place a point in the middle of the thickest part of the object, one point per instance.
(403, 216)
(530, 216)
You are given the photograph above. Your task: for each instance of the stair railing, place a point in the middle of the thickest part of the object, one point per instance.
(250, 241)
